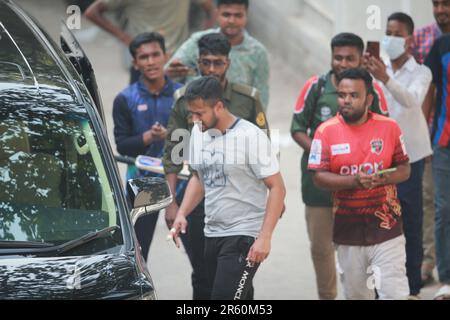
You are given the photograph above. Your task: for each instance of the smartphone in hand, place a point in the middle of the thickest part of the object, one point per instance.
(373, 48)
(381, 172)
(178, 70)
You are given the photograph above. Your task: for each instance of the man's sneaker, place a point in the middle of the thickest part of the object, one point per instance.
(443, 293)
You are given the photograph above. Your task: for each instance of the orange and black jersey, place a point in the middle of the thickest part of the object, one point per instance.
(362, 217)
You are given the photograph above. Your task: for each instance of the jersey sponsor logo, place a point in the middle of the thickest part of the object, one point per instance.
(315, 154)
(300, 105)
(142, 107)
(369, 168)
(376, 146)
(325, 113)
(340, 149)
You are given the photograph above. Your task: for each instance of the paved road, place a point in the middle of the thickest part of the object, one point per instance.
(288, 273)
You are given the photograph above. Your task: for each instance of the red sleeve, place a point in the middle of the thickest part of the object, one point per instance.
(319, 156)
(381, 98)
(400, 155)
(300, 104)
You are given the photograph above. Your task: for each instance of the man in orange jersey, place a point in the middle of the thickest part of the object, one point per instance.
(317, 103)
(347, 155)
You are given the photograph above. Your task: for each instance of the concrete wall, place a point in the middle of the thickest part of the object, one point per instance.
(352, 14)
(299, 31)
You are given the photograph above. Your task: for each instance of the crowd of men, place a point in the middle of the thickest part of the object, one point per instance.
(375, 136)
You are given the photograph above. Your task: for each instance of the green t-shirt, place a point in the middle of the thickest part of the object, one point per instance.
(327, 107)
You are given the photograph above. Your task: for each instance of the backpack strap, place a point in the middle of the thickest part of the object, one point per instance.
(318, 93)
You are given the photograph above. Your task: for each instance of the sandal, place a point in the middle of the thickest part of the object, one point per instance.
(443, 293)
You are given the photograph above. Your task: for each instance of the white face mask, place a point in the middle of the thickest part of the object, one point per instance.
(394, 46)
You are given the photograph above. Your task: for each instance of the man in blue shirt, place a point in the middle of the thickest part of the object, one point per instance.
(141, 112)
(438, 60)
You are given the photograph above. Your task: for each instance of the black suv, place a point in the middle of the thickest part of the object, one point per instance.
(66, 226)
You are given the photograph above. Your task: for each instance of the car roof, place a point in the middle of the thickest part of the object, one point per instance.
(31, 65)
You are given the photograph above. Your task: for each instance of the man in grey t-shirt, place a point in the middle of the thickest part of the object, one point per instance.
(234, 166)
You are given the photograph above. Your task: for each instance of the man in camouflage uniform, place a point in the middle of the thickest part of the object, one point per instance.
(250, 63)
(317, 103)
(243, 102)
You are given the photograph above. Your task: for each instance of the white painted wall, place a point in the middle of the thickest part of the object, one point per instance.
(351, 14)
(299, 31)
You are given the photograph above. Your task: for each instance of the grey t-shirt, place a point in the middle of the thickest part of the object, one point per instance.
(231, 167)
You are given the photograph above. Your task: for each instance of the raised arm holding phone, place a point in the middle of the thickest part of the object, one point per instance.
(405, 84)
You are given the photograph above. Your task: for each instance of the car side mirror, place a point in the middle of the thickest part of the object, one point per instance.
(147, 195)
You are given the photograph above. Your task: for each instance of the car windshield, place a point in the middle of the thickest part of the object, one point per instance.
(53, 184)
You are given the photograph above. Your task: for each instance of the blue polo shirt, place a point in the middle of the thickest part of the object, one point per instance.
(136, 110)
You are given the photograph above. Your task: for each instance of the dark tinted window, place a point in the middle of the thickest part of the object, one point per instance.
(53, 182)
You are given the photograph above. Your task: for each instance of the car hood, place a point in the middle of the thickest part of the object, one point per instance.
(91, 277)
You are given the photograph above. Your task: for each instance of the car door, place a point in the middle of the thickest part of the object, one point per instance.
(80, 61)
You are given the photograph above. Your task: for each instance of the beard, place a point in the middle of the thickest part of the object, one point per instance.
(221, 78)
(442, 20)
(352, 118)
(355, 116)
(205, 127)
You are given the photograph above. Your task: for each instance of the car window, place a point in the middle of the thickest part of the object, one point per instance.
(53, 181)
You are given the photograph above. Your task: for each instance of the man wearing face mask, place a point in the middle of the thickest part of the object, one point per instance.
(405, 84)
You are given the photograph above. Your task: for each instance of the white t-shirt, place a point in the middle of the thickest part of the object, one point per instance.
(405, 92)
(231, 167)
